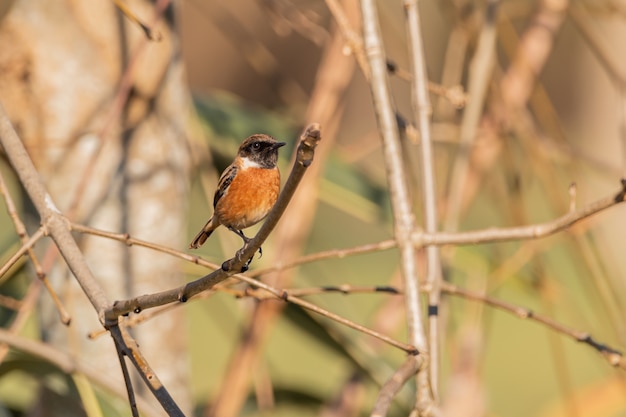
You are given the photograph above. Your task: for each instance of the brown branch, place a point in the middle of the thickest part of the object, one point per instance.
(408, 369)
(525, 232)
(125, 344)
(54, 222)
(23, 250)
(127, 381)
(613, 356)
(23, 235)
(402, 212)
(422, 110)
(304, 158)
(329, 254)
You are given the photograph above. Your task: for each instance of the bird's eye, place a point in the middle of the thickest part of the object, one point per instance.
(256, 146)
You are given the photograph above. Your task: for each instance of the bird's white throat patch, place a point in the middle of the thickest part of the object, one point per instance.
(249, 163)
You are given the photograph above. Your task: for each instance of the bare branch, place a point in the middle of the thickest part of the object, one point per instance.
(26, 246)
(127, 345)
(403, 215)
(525, 232)
(53, 220)
(127, 381)
(613, 356)
(333, 253)
(409, 368)
(422, 110)
(21, 232)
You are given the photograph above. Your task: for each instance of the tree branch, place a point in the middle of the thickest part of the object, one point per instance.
(422, 110)
(388, 391)
(51, 217)
(525, 232)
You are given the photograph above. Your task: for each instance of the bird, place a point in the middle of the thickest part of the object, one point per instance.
(247, 189)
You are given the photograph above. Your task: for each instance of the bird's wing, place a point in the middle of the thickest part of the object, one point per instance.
(222, 186)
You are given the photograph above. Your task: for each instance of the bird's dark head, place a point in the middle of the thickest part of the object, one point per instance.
(260, 151)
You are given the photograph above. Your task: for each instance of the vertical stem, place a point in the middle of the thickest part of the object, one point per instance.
(403, 215)
(404, 222)
(423, 110)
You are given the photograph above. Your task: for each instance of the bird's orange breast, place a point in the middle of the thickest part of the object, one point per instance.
(249, 198)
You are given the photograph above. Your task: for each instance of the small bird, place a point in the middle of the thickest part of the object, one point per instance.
(247, 189)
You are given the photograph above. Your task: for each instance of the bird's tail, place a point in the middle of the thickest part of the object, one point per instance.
(203, 235)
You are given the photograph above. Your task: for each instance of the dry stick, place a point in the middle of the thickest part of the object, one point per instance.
(492, 235)
(423, 111)
(125, 344)
(59, 229)
(69, 364)
(409, 368)
(127, 380)
(55, 223)
(402, 211)
(613, 356)
(304, 158)
(282, 294)
(333, 253)
(26, 246)
(23, 235)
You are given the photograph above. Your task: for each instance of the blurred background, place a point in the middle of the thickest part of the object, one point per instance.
(130, 136)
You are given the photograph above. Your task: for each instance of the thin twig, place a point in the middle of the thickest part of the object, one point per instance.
(124, 342)
(55, 223)
(403, 215)
(127, 381)
(23, 250)
(332, 253)
(408, 369)
(535, 231)
(23, 235)
(613, 356)
(404, 223)
(423, 111)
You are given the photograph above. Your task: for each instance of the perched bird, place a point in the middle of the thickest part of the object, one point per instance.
(247, 189)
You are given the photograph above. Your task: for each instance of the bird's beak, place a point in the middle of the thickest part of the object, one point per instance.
(279, 144)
